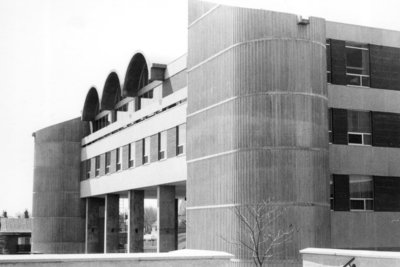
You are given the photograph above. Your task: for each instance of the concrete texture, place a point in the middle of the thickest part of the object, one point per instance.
(111, 223)
(256, 126)
(167, 214)
(136, 220)
(316, 257)
(94, 225)
(181, 258)
(58, 212)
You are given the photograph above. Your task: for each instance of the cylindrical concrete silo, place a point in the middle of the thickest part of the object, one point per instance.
(256, 126)
(58, 212)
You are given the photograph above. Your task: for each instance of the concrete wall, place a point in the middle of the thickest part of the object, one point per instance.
(315, 257)
(256, 126)
(174, 259)
(58, 212)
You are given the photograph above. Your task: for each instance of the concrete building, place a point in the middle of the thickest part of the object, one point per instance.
(15, 235)
(264, 105)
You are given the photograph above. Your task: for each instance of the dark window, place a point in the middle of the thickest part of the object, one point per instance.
(330, 136)
(357, 64)
(181, 139)
(119, 158)
(341, 192)
(359, 127)
(97, 160)
(88, 167)
(108, 162)
(331, 191)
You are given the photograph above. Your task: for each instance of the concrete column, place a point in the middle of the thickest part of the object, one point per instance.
(94, 236)
(166, 219)
(136, 221)
(111, 226)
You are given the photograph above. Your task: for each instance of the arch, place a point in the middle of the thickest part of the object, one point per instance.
(91, 106)
(111, 92)
(137, 75)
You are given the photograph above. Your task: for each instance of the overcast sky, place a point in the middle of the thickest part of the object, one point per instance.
(53, 51)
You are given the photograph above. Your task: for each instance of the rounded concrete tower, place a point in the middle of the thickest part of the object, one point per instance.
(256, 127)
(58, 211)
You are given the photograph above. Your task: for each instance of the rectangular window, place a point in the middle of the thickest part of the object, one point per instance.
(119, 159)
(108, 162)
(357, 64)
(328, 61)
(131, 155)
(361, 192)
(181, 139)
(162, 145)
(88, 168)
(359, 127)
(146, 149)
(97, 161)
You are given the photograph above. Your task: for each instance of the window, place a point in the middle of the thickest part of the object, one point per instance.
(359, 127)
(361, 192)
(119, 158)
(88, 168)
(357, 64)
(328, 61)
(108, 162)
(148, 94)
(330, 135)
(131, 155)
(162, 145)
(97, 161)
(181, 139)
(146, 149)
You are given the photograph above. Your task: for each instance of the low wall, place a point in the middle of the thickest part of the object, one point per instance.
(176, 258)
(316, 257)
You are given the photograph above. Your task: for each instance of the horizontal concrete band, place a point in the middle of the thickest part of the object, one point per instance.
(267, 39)
(314, 149)
(297, 204)
(269, 93)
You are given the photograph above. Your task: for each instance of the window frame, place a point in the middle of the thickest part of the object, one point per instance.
(97, 166)
(363, 199)
(362, 134)
(88, 168)
(146, 152)
(107, 162)
(353, 45)
(118, 160)
(131, 156)
(162, 149)
(180, 147)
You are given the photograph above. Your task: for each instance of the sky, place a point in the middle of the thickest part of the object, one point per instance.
(53, 51)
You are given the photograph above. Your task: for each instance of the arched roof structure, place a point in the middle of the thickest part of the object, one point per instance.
(111, 92)
(91, 106)
(137, 75)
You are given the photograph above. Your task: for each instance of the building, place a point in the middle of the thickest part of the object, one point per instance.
(302, 111)
(15, 235)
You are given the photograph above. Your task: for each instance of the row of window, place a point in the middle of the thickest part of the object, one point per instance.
(357, 63)
(363, 193)
(145, 153)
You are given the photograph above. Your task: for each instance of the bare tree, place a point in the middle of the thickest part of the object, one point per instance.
(150, 216)
(262, 232)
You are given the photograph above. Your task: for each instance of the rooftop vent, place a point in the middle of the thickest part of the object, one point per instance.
(303, 20)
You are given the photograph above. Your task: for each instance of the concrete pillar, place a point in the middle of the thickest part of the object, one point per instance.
(166, 219)
(94, 236)
(111, 226)
(136, 221)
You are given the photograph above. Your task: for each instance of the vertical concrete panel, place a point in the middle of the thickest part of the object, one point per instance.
(57, 207)
(136, 220)
(93, 167)
(113, 161)
(154, 148)
(102, 165)
(256, 127)
(171, 142)
(111, 223)
(94, 225)
(139, 153)
(166, 218)
(125, 157)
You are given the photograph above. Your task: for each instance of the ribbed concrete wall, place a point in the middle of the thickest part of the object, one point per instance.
(256, 126)
(58, 212)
